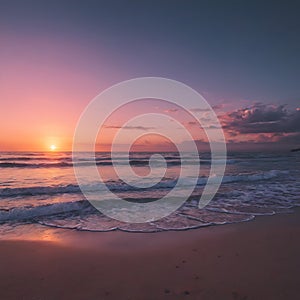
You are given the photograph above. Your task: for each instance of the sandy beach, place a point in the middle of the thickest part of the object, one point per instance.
(252, 260)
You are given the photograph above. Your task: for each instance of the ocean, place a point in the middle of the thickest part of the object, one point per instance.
(40, 188)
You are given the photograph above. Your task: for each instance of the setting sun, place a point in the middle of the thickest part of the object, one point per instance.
(52, 147)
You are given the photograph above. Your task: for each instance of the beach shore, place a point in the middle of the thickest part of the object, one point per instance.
(251, 260)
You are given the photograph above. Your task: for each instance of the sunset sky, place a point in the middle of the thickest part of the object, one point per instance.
(242, 56)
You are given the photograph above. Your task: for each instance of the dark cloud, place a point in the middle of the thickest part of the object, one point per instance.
(261, 118)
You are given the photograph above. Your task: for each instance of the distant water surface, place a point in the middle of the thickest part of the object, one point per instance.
(40, 188)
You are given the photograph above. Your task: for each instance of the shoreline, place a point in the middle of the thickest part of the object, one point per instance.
(250, 260)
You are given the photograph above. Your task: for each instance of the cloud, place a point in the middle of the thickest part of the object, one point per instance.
(214, 107)
(204, 126)
(144, 128)
(193, 123)
(218, 106)
(172, 110)
(258, 125)
(261, 118)
(199, 109)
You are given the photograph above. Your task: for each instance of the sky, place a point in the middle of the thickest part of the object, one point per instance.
(242, 56)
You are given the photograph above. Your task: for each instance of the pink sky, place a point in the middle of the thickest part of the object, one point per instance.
(46, 82)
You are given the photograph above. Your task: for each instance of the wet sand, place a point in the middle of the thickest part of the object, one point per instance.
(252, 260)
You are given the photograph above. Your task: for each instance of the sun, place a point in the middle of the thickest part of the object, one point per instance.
(52, 147)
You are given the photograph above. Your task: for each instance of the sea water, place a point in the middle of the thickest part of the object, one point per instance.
(41, 188)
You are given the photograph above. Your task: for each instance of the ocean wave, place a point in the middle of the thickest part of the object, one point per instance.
(39, 190)
(81, 215)
(35, 165)
(168, 183)
(236, 207)
(40, 162)
(29, 213)
(254, 177)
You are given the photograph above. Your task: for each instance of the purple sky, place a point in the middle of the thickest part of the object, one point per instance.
(243, 57)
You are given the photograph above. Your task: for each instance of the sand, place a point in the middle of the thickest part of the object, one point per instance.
(252, 260)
